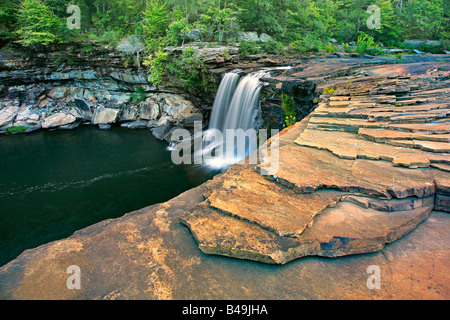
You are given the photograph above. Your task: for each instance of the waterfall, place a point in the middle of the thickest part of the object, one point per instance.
(223, 98)
(236, 106)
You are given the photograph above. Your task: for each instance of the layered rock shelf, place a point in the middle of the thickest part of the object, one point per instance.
(364, 169)
(366, 175)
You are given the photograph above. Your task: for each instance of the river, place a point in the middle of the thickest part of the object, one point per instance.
(53, 183)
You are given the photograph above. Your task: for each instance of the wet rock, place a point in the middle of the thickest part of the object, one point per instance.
(57, 93)
(140, 124)
(7, 115)
(149, 110)
(104, 115)
(103, 126)
(178, 108)
(129, 113)
(59, 119)
(190, 121)
(161, 131)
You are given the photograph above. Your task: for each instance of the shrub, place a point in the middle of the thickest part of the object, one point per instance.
(328, 90)
(288, 106)
(309, 43)
(191, 69)
(329, 48)
(248, 48)
(364, 42)
(15, 129)
(157, 66)
(273, 47)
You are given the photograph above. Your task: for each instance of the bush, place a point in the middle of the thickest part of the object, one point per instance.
(309, 43)
(273, 47)
(288, 106)
(248, 48)
(191, 69)
(15, 129)
(157, 66)
(328, 90)
(329, 48)
(366, 45)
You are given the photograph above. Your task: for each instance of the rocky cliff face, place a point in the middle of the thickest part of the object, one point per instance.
(68, 86)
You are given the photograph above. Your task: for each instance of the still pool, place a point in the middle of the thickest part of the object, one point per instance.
(55, 183)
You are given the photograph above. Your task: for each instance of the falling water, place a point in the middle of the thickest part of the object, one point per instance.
(223, 98)
(235, 107)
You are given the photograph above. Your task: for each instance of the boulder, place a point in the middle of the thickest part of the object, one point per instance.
(149, 110)
(248, 36)
(58, 120)
(264, 37)
(161, 131)
(129, 113)
(86, 108)
(23, 114)
(162, 121)
(152, 124)
(76, 112)
(8, 115)
(178, 108)
(33, 128)
(33, 119)
(57, 93)
(193, 35)
(189, 121)
(104, 115)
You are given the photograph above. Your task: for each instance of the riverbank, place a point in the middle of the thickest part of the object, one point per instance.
(370, 168)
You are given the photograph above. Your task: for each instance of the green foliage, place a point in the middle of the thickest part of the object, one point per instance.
(176, 31)
(155, 23)
(191, 70)
(139, 95)
(273, 47)
(37, 24)
(328, 90)
(366, 45)
(249, 48)
(329, 48)
(15, 129)
(309, 43)
(305, 24)
(157, 66)
(288, 106)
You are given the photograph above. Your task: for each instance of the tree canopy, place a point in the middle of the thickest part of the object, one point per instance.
(32, 22)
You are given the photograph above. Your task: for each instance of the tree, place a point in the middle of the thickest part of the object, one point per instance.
(423, 18)
(132, 45)
(37, 24)
(156, 22)
(8, 20)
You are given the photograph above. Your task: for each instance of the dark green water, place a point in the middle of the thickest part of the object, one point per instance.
(54, 183)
